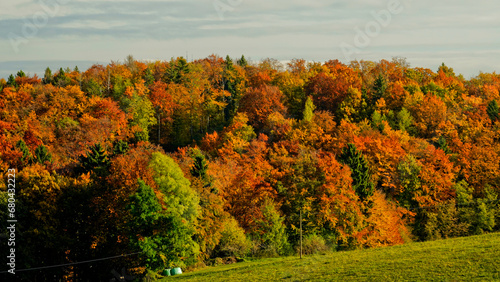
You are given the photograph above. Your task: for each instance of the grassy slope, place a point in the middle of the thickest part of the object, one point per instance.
(459, 259)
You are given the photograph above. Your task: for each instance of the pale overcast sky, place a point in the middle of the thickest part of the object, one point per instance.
(64, 33)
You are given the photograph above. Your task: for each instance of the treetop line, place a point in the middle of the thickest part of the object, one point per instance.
(177, 163)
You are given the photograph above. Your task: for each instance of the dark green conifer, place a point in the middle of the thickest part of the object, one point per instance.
(96, 160)
(379, 88)
(242, 61)
(12, 81)
(492, 110)
(27, 157)
(149, 79)
(47, 77)
(360, 171)
(231, 82)
(120, 147)
(443, 145)
(199, 168)
(178, 69)
(42, 154)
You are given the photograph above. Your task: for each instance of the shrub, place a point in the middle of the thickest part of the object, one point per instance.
(312, 244)
(233, 241)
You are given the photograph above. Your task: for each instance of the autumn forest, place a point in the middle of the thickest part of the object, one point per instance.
(186, 164)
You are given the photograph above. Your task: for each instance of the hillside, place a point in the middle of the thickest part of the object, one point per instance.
(458, 259)
(145, 165)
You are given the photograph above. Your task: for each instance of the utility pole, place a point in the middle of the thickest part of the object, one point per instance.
(109, 80)
(301, 234)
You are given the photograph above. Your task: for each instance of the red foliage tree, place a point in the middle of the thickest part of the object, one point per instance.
(259, 103)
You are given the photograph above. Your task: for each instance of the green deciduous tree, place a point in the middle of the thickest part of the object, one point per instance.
(163, 236)
(478, 215)
(163, 219)
(404, 119)
(408, 171)
(354, 107)
(143, 115)
(271, 231)
(309, 110)
(378, 120)
(179, 197)
(233, 241)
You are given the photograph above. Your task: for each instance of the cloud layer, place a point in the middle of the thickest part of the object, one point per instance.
(462, 34)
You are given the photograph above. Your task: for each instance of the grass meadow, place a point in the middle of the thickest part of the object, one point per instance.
(475, 258)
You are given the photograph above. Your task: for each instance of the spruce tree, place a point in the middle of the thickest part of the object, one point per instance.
(242, 61)
(61, 79)
(360, 171)
(443, 145)
(42, 154)
(199, 168)
(61, 73)
(120, 147)
(47, 77)
(379, 88)
(492, 110)
(96, 160)
(26, 158)
(231, 82)
(177, 71)
(149, 79)
(12, 81)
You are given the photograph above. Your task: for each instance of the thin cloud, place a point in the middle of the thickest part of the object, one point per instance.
(282, 29)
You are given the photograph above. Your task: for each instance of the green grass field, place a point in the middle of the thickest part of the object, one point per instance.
(460, 259)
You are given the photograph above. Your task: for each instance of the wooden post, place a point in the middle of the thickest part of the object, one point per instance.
(159, 125)
(109, 80)
(301, 234)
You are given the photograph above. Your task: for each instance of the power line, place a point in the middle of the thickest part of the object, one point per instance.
(131, 254)
(73, 263)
